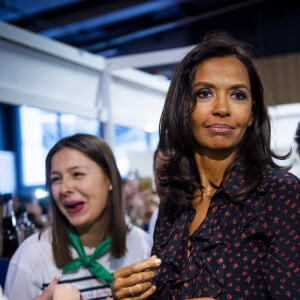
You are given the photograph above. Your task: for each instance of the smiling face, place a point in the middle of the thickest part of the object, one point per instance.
(79, 187)
(223, 109)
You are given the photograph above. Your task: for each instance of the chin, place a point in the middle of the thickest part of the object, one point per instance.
(76, 222)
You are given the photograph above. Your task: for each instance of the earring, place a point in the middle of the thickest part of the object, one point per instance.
(110, 187)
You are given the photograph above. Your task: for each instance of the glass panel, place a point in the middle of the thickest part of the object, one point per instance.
(126, 140)
(153, 137)
(71, 124)
(40, 130)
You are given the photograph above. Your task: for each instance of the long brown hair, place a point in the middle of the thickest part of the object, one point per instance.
(98, 151)
(176, 138)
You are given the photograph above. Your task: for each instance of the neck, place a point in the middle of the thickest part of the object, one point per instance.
(93, 234)
(211, 171)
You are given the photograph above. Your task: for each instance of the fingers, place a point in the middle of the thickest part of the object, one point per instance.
(133, 290)
(134, 281)
(134, 278)
(132, 296)
(148, 263)
(53, 283)
(47, 292)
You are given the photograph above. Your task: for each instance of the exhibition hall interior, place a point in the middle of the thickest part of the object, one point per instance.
(104, 67)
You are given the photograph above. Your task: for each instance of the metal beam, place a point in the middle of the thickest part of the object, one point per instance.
(149, 59)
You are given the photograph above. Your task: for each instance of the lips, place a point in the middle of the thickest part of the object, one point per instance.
(217, 125)
(74, 206)
(220, 128)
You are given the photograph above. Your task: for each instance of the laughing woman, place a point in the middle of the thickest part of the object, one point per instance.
(88, 239)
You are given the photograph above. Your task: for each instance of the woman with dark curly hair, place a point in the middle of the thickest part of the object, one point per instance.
(228, 227)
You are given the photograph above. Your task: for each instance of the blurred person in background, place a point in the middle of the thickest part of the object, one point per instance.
(159, 159)
(134, 204)
(38, 211)
(88, 238)
(139, 199)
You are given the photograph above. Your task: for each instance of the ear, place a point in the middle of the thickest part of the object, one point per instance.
(250, 122)
(110, 187)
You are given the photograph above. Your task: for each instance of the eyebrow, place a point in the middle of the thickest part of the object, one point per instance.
(206, 84)
(241, 86)
(210, 85)
(69, 169)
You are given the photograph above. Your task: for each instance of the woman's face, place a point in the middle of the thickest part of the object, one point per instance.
(223, 109)
(79, 187)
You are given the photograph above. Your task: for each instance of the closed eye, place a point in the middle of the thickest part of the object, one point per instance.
(78, 174)
(54, 179)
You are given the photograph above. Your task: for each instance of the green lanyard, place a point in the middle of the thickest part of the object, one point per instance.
(89, 261)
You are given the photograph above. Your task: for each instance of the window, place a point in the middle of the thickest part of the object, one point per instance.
(130, 140)
(39, 131)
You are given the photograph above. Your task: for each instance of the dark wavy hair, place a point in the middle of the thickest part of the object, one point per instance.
(98, 151)
(176, 138)
(297, 138)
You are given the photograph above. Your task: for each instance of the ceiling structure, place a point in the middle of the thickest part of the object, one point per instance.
(128, 27)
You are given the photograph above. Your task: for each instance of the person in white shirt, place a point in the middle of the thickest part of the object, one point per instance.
(88, 238)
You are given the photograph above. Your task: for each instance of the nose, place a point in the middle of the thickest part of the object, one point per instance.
(221, 105)
(66, 186)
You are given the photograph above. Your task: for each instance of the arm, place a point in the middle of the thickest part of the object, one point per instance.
(30, 269)
(19, 284)
(283, 258)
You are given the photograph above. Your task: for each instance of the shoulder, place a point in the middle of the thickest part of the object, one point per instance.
(138, 248)
(30, 267)
(34, 247)
(281, 192)
(136, 233)
(38, 239)
(138, 240)
(274, 179)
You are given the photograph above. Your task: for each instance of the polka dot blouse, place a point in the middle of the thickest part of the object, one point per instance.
(248, 250)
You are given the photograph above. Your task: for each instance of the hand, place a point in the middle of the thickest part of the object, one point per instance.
(56, 291)
(134, 281)
(47, 292)
(65, 291)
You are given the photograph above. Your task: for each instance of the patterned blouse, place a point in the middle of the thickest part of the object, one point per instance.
(249, 250)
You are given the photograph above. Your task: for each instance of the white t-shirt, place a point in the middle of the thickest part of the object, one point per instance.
(32, 267)
(152, 222)
(2, 297)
